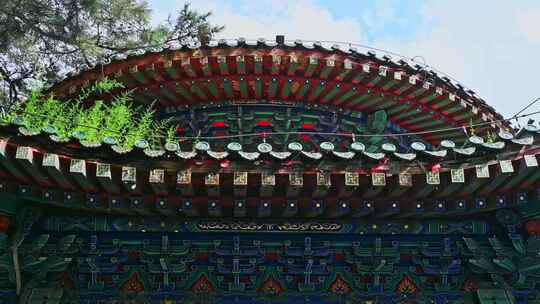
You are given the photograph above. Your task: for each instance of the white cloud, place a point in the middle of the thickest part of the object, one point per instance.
(489, 45)
(294, 19)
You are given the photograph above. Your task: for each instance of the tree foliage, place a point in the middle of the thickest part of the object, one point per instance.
(43, 40)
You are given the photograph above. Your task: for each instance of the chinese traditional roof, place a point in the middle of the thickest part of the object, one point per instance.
(414, 97)
(291, 181)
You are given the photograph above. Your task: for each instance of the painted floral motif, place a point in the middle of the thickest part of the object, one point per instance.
(202, 285)
(406, 286)
(340, 286)
(133, 284)
(271, 286)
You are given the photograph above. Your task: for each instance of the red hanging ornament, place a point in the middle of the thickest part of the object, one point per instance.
(218, 124)
(264, 123)
(224, 164)
(305, 137)
(436, 168)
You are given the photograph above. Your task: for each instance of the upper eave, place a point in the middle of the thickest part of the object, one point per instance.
(416, 98)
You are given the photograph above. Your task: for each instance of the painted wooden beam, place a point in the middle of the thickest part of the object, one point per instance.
(240, 208)
(313, 62)
(323, 183)
(296, 183)
(156, 179)
(211, 181)
(187, 68)
(327, 69)
(264, 208)
(351, 183)
(8, 162)
(268, 182)
(290, 209)
(215, 207)
(240, 65)
(363, 208)
(240, 182)
(292, 65)
(183, 183)
(104, 178)
(52, 165)
(77, 170)
(25, 158)
(129, 179)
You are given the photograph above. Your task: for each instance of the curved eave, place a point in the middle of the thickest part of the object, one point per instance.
(173, 155)
(344, 79)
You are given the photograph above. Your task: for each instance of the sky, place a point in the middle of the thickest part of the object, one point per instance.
(490, 46)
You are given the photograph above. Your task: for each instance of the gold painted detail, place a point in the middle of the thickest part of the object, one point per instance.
(251, 226)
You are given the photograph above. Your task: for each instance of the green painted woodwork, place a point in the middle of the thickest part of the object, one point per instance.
(184, 92)
(227, 87)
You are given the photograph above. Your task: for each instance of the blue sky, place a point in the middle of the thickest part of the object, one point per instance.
(489, 45)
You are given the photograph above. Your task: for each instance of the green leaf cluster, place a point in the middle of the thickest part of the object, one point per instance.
(118, 122)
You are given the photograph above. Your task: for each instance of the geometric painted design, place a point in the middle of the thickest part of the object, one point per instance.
(296, 179)
(406, 286)
(433, 178)
(133, 284)
(240, 178)
(457, 175)
(530, 160)
(202, 285)
(271, 286)
(351, 179)
(323, 179)
(211, 179)
(482, 171)
(378, 179)
(340, 286)
(506, 166)
(184, 177)
(268, 179)
(405, 179)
